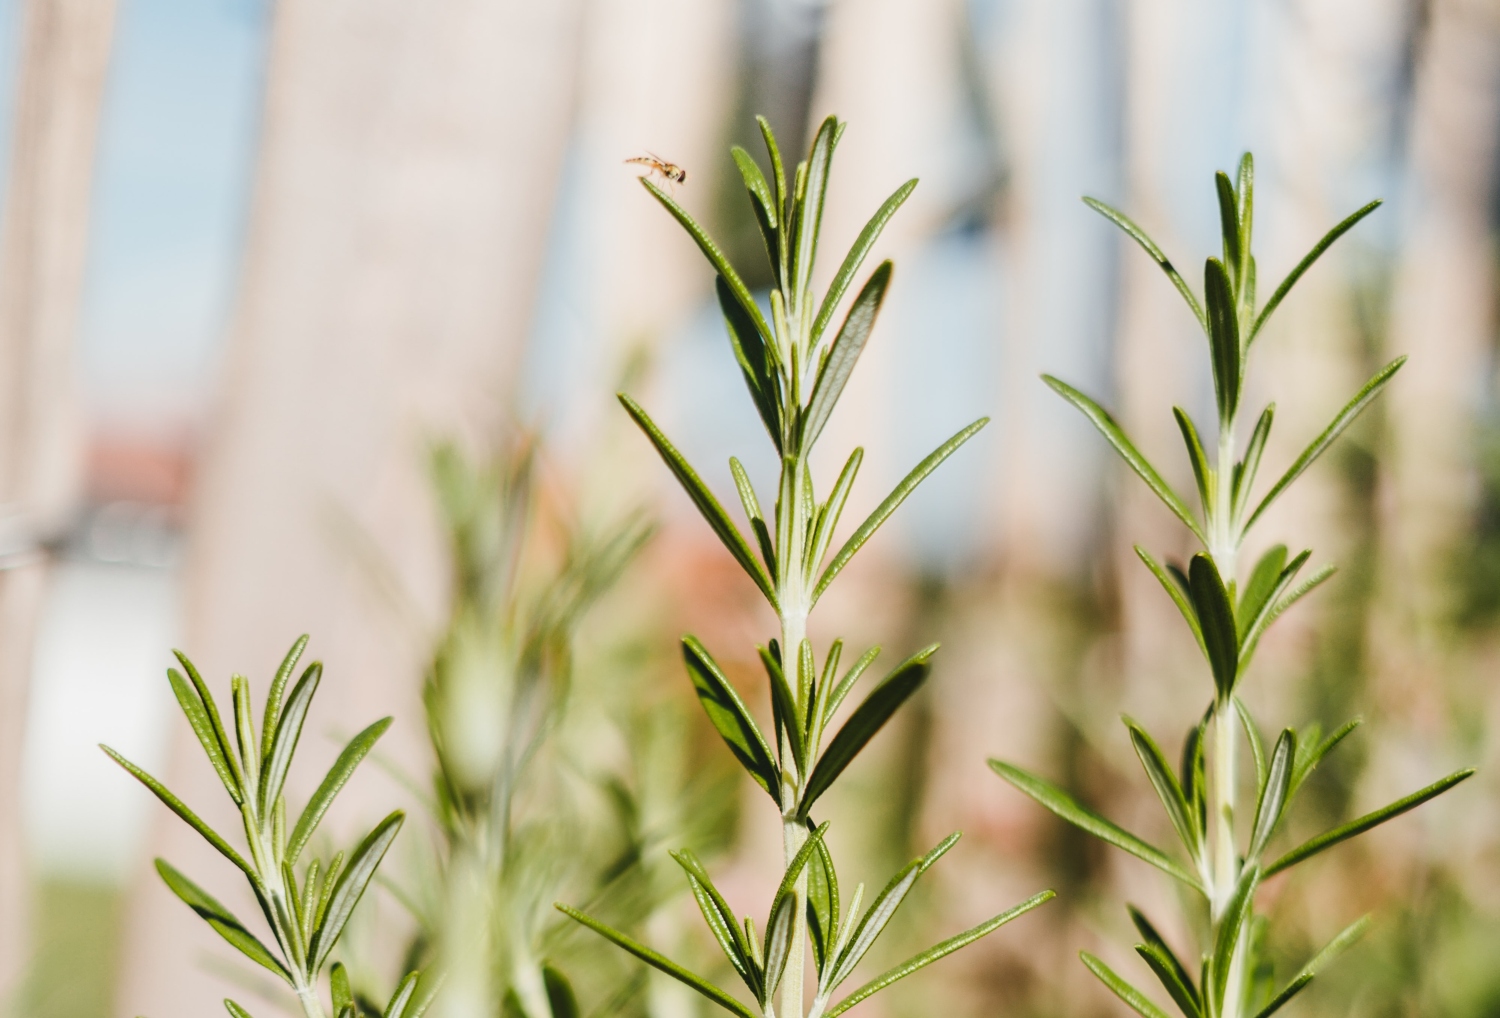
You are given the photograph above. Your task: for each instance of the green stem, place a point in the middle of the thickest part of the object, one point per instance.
(307, 996)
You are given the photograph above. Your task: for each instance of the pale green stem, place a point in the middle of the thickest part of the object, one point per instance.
(307, 996)
(1226, 858)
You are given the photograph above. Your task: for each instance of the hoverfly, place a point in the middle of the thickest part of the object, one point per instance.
(669, 171)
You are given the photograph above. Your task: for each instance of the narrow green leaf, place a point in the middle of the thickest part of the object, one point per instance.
(844, 353)
(333, 782)
(1236, 912)
(1345, 417)
(1245, 192)
(1281, 602)
(234, 1009)
(1223, 337)
(778, 942)
(221, 919)
(274, 695)
(1194, 782)
(1080, 816)
(757, 360)
(833, 509)
(1170, 976)
(338, 985)
(1307, 262)
(1129, 994)
(717, 519)
(938, 951)
(1356, 827)
(192, 709)
(822, 905)
(856, 256)
(1164, 962)
(874, 921)
(730, 718)
(284, 742)
(895, 498)
(1229, 221)
(794, 868)
(1216, 616)
(764, 204)
(1245, 471)
(244, 733)
(659, 962)
(177, 806)
(402, 998)
(1336, 946)
(1258, 589)
(721, 921)
(788, 717)
(226, 748)
(808, 219)
(1257, 745)
(847, 682)
(1274, 792)
(778, 173)
(715, 258)
(1176, 592)
(1203, 474)
(350, 887)
(1311, 751)
(1116, 437)
(1167, 788)
(1157, 255)
(868, 718)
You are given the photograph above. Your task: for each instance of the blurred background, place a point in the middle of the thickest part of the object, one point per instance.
(257, 257)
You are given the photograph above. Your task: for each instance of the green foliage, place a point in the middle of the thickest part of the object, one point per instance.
(1227, 619)
(306, 917)
(795, 374)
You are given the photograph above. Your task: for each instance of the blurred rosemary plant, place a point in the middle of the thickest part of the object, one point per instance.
(306, 918)
(497, 697)
(795, 368)
(1225, 840)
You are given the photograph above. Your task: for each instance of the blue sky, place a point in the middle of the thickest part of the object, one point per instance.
(170, 193)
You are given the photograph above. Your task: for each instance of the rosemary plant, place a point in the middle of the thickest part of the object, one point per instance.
(305, 918)
(795, 368)
(1225, 840)
(496, 696)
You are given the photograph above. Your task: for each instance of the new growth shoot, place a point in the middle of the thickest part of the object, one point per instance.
(1225, 843)
(795, 366)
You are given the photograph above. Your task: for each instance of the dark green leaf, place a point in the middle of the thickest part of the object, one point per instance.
(822, 904)
(350, 887)
(1127, 450)
(764, 203)
(1167, 788)
(1311, 750)
(1266, 610)
(1273, 793)
(730, 718)
(1245, 192)
(217, 723)
(895, 498)
(808, 217)
(788, 717)
(1229, 221)
(1149, 246)
(283, 675)
(833, 509)
(1079, 815)
(338, 985)
(1177, 592)
(715, 257)
(221, 919)
(1203, 474)
(794, 868)
(284, 741)
(1257, 591)
(868, 718)
(1216, 616)
(1345, 417)
(1356, 827)
(932, 954)
(778, 173)
(847, 682)
(177, 806)
(757, 360)
(717, 519)
(1129, 994)
(856, 257)
(1307, 262)
(721, 921)
(1164, 962)
(842, 355)
(332, 783)
(778, 942)
(659, 962)
(1223, 337)
(1335, 947)
(560, 999)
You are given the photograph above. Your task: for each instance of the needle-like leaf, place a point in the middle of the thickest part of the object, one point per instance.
(1216, 616)
(847, 346)
(221, 919)
(1307, 262)
(1137, 1000)
(1273, 793)
(1116, 437)
(727, 712)
(350, 887)
(177, 806)
(1167, 788)
(1148, 245)
(284, 739)
(1080, 816)
(357, 749)
(274, 696)
(1335, 947)
(856, 256)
